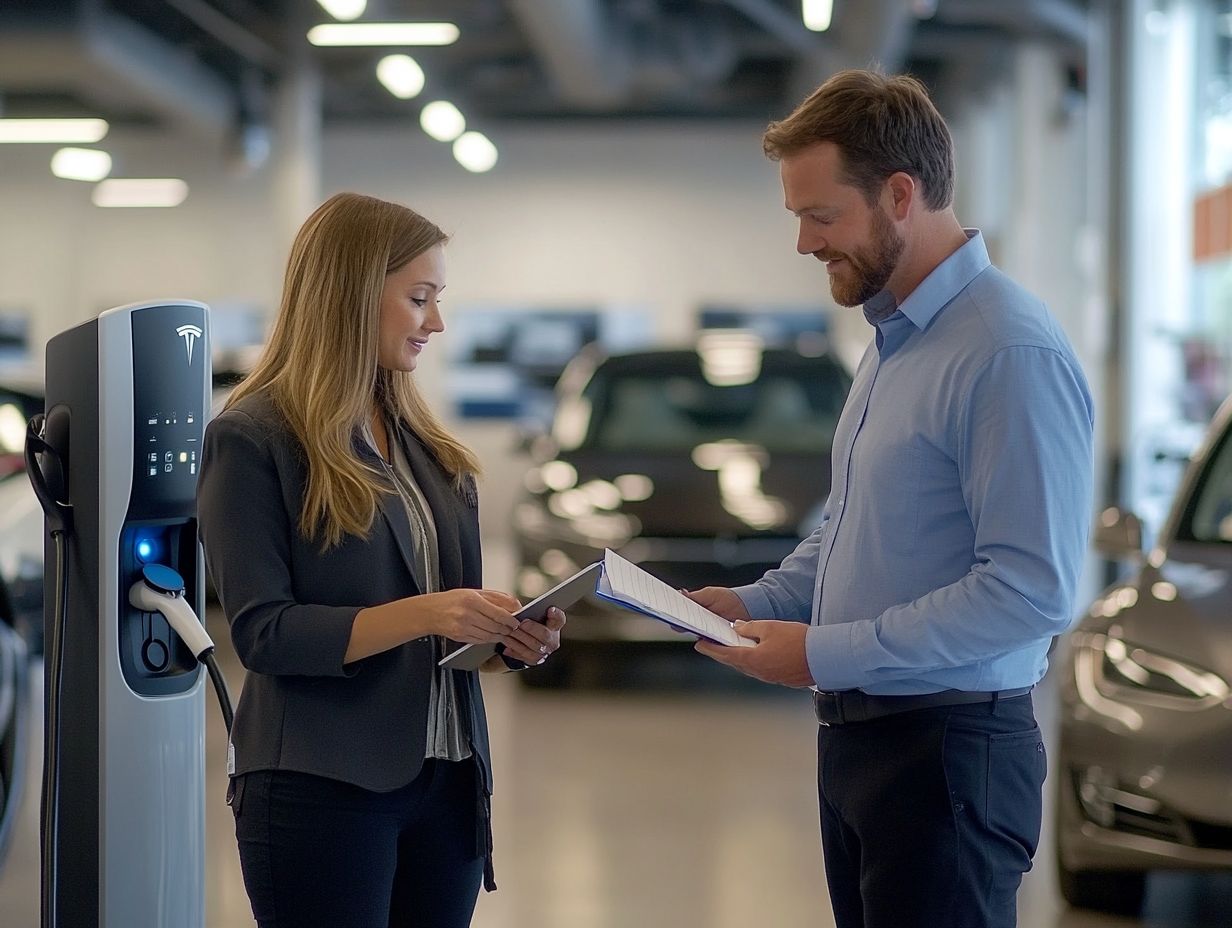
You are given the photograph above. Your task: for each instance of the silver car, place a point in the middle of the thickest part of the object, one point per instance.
(1144, 776)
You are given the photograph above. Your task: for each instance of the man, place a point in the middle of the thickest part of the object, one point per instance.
(949, 551)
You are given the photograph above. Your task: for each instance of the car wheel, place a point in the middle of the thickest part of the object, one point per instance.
(1118, 892)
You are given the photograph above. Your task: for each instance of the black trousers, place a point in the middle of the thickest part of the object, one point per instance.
(930, 818)
(319, 852)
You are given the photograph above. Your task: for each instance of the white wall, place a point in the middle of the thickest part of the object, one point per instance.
(626, 215)
(663, 217)
(64, 260)
(666, 218)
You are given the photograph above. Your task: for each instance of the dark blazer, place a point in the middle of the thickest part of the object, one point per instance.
(291, 608)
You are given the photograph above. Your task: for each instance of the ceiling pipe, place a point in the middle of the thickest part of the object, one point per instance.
(1061, 19)
(599, 60)
(110, 61)
(586, 55)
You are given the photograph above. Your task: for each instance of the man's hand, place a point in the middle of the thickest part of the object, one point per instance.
(721, 601)
(778, 657)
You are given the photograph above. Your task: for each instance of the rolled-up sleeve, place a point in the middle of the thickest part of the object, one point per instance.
(247, 533)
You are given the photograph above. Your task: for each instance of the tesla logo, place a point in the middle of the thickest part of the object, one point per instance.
(190, 334)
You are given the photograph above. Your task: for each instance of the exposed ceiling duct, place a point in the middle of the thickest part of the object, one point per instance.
(109, 61)
(602, 57)
(211, 68)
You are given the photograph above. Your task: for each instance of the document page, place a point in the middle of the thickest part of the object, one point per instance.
(628, 585)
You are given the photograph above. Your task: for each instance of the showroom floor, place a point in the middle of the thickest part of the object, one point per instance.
(683, 798)
(686, 800)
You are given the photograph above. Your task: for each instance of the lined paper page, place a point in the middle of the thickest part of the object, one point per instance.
(628, 581)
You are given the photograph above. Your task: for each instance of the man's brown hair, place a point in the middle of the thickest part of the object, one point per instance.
(881, 125)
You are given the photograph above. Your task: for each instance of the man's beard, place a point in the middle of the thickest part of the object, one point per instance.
(866, 270)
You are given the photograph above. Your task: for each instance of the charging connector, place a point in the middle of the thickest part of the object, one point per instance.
(161, 590)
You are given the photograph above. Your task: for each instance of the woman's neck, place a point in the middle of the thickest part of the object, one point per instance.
(380, 432)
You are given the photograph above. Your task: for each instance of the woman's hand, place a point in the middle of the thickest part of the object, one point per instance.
(471, 616)
(532, 642)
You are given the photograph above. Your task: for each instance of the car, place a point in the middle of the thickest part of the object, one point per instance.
(21, 593)
(1144, 773)
(21, 519)
(704, 465)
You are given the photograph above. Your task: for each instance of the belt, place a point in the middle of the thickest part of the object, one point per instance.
(845, 706)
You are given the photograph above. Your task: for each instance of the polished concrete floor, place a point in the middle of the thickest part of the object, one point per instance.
(684, 798)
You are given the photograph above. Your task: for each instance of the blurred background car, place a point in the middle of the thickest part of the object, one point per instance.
(704, 465)
(21, 590)
(21, 519)
(1144, 772)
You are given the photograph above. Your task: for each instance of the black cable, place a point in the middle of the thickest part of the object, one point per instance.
(52, 680)
(220, 686)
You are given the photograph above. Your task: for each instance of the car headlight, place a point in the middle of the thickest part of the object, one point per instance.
(1120, 669)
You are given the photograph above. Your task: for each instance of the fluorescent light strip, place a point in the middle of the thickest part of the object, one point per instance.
(817, 14)
(401, 75)
(353, 34)
(140, 192)
(52, 131)
(88, 164)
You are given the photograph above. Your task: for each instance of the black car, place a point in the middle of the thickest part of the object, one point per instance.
(705, 466)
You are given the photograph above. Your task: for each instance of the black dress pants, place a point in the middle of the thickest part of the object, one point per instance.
(929, 818)
(319, 852)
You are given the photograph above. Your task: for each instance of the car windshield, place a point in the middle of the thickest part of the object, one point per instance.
(668, 405)
(1208, 516)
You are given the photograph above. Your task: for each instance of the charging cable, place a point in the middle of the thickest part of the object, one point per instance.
(161, 590)
(59, 514)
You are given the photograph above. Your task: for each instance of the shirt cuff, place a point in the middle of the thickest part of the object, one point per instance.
(755, 601)
(831, 657)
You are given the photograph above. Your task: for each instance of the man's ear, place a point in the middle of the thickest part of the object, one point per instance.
(902, 189)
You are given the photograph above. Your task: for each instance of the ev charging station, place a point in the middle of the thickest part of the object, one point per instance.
(117, 453)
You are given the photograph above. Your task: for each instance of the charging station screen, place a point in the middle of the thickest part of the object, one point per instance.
(169, 405)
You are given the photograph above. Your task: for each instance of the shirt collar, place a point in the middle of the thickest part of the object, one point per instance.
(936, 290)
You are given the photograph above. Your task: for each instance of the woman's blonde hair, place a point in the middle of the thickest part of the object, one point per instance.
(320, 365)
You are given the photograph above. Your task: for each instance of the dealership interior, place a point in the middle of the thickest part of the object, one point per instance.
(642, 362)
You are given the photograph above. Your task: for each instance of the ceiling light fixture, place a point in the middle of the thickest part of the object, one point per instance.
(346, 10)
(817, 14)
(475, 152)
(352, 34)
(81, 164)
(53, 131)
(401, 75)
(140, 192)
(442, 120)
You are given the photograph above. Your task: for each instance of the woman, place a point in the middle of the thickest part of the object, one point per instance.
(340, 526)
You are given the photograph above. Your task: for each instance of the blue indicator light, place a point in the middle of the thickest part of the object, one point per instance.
(144, 549)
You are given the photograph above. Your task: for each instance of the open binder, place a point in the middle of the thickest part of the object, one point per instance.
(627, 585)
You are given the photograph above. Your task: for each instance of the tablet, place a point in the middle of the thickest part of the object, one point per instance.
(563, 595)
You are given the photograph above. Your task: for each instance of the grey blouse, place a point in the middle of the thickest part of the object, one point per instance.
(446, 737)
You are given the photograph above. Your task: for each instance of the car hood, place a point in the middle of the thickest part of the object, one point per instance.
(730, 491)
(1182, 609)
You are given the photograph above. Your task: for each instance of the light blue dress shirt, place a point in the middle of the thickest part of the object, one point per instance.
(950, 548)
